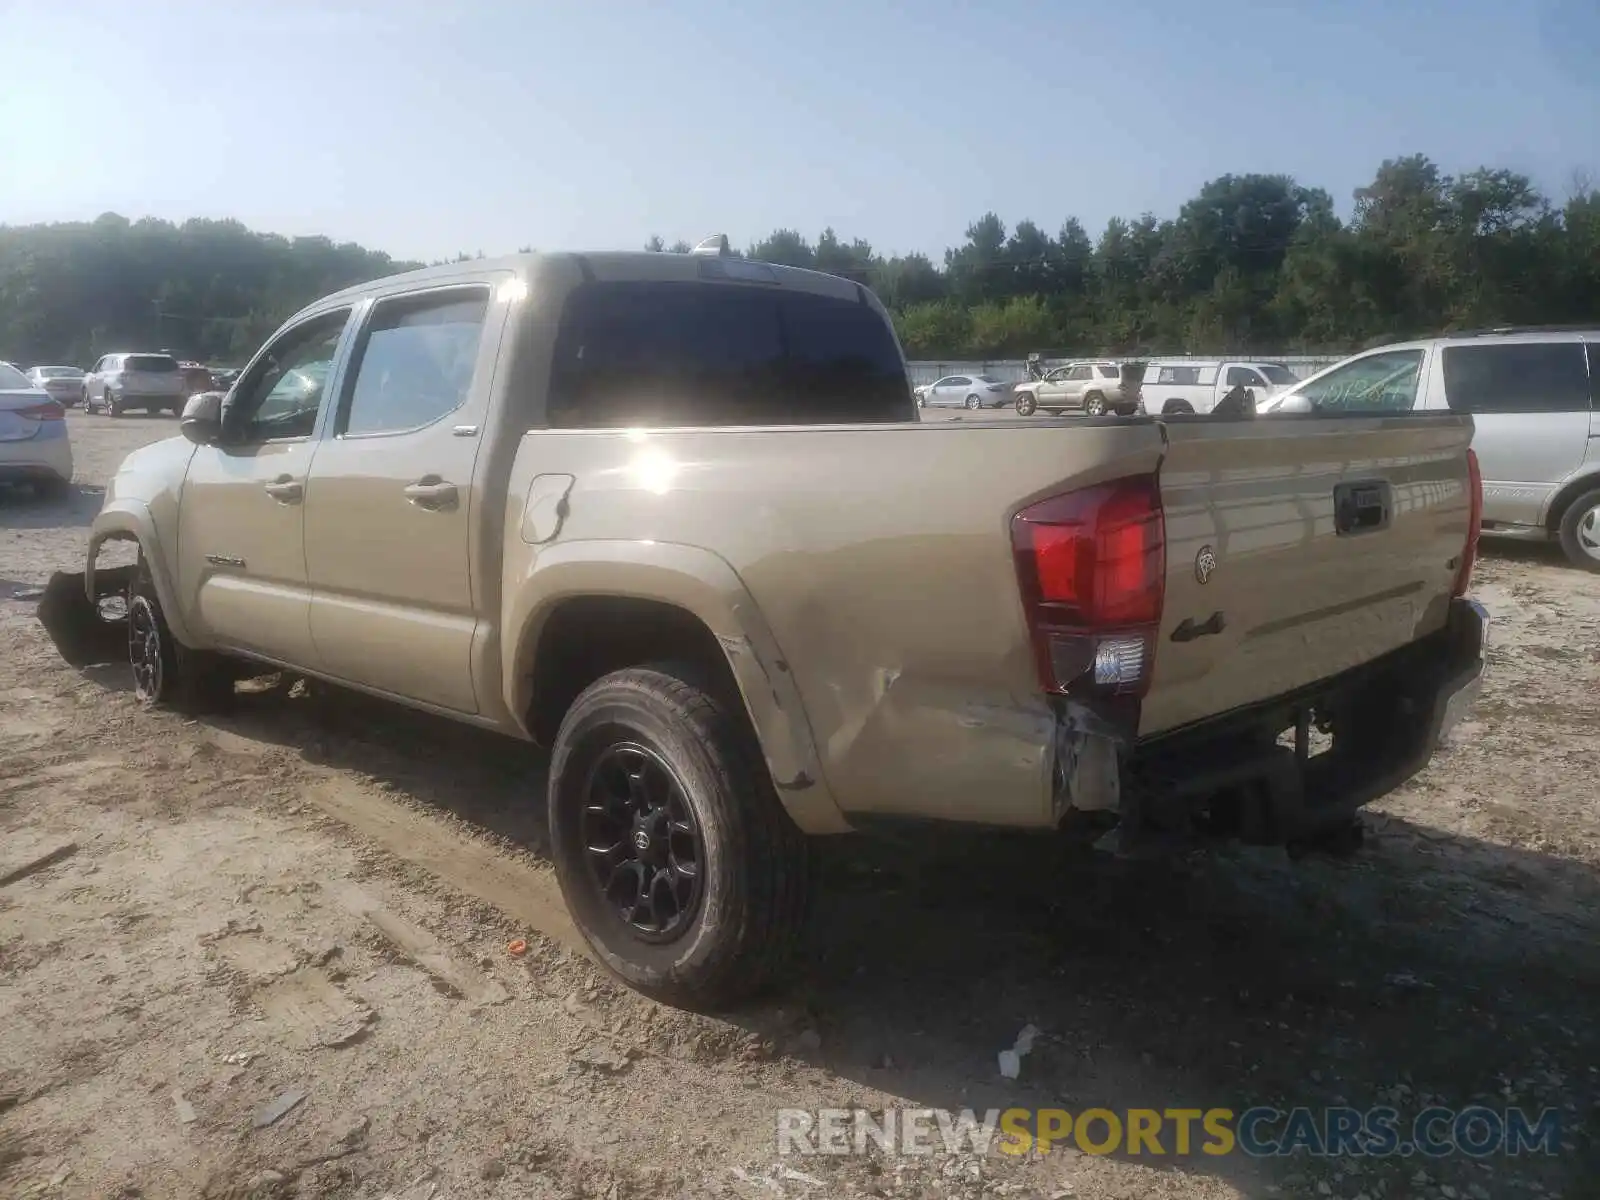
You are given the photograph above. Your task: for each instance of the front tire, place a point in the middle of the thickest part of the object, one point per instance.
(1027, 404)
(679, 864)
(165, 672)
(1580, 531)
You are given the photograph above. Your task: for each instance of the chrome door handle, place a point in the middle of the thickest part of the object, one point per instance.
(432, 493)
(286, 490)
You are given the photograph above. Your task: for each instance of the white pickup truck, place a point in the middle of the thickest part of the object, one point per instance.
(1190, 386)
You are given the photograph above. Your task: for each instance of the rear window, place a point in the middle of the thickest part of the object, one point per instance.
(664, 354)
(153, 363)
(59, 372)
(1520, 377)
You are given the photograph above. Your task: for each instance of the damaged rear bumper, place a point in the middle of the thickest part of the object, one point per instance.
(1285, 770)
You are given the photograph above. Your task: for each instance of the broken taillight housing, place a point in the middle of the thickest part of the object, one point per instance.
(1469, 556)
(1091, 564)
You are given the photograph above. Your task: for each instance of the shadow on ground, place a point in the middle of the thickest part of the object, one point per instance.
(1430, 969)
(23, 508)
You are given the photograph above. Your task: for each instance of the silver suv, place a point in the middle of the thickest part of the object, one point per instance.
(153, 382)
(1534, 396)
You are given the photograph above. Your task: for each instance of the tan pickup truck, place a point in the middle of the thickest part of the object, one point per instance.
(675, 518)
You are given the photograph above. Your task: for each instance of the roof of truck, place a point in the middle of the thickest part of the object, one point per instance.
(606, 265)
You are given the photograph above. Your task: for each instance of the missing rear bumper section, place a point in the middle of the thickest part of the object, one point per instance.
(1287, 771)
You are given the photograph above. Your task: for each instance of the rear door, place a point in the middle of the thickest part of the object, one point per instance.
(1298, 547)
(1530, 401)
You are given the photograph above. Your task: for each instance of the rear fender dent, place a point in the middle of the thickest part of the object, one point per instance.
(704, 585)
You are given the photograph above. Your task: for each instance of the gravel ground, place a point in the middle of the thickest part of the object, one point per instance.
(244, 916)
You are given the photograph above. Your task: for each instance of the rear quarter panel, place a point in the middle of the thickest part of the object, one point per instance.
(880, 560)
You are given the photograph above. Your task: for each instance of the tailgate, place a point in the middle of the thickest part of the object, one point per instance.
(1298, 548)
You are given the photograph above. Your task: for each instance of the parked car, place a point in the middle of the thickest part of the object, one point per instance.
(34, 447)
(1094, 388)
(64, 384)
(196, 378)
(118, 382)
(601, 503)
(1175, 388)
(965, 391)
(1534, 397)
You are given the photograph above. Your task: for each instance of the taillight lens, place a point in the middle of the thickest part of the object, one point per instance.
(43, 412)
(1091, 565)
(1469, 556)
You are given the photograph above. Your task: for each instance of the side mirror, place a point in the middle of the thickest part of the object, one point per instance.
(201, 422)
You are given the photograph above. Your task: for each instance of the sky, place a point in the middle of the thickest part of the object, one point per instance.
(428, 128)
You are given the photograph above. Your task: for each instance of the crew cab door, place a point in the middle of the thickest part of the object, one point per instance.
(391, 504)
(241, 549)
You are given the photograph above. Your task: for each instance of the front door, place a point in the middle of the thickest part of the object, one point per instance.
(390, 509)
(241, 548)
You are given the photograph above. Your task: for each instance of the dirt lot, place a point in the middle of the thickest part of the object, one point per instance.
(244, 916)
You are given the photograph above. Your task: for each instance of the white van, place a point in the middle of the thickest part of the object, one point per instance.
(1534, 396)
(1189, 385)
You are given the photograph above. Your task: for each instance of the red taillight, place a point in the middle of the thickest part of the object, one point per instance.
(1469, 556)
(43, 412)
(1092, 567)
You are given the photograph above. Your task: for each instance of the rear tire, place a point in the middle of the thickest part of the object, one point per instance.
(1177, 408)
(973, 403)
(1094, 404)
(735, 926)
(165, 672)
(53, 488)
(1580, 531)
(1027, 404)
(113, 406)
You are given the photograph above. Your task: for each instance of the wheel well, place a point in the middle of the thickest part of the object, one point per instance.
(590, 636)
(1565, 497)
(1175, 407)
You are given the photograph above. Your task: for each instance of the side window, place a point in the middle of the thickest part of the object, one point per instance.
(1078, 374)
(415, 361)
(1594, 376)
(1242, 376)
(664, 354)
(959, 381)
(1520, 377)
(281, 395)
(1107, 371)
(1377, 383)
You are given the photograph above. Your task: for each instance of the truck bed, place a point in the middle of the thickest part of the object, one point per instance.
(882, 560)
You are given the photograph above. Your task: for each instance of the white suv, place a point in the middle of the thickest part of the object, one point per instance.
(153, 382)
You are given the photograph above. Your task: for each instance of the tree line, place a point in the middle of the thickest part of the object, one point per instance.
(1253, 263)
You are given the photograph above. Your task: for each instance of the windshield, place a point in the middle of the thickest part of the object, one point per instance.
(1281, 376)
(159, 364)
(12, 379)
